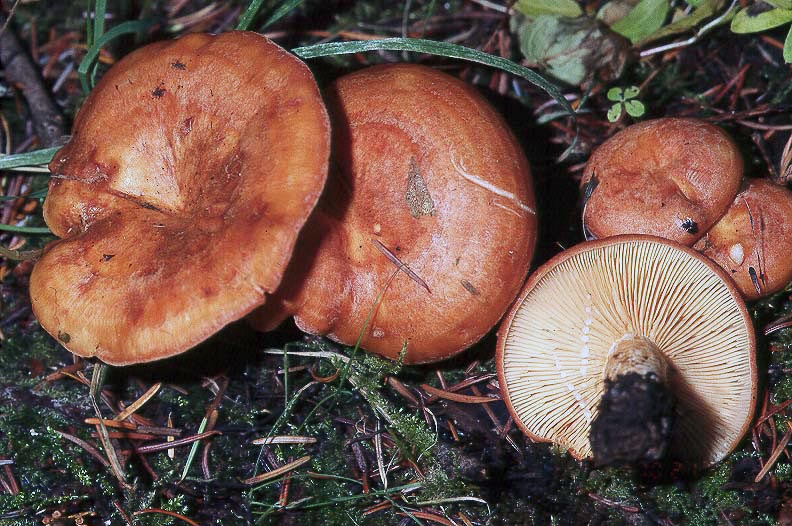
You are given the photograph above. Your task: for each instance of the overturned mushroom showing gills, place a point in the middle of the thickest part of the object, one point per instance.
(192, 166)
(627, 305)
(753, 241)
(671, 177)
(431, 207)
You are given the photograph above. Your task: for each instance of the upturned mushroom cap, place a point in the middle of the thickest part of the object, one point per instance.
(428, 176)
(554, 344)
(192, 166)
(753, 241)
(672, 178)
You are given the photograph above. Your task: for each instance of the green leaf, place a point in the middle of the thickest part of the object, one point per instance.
(781, 4)
(631, 92)
(788, 47)
(615, 112)
(615, 94)
(706, 9)
(534, 8)
(27, 159)
(444, 49)
(643, 20)
(635, 108)
(750, 21)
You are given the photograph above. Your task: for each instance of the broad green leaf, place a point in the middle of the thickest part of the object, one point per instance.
(615, 112)
(571, 49)
(643, 20)
(788, 47)
(534, 8)
(614, 10)
(615, 94)
(781, 4)
(705, 9)
(635, 108)
(631, 92)
(748, 22)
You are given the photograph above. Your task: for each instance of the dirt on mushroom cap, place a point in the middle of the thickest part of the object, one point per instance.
(192, 167)
(431, 204)
(670, 177)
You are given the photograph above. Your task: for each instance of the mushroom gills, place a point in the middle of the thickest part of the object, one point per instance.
(635, 415)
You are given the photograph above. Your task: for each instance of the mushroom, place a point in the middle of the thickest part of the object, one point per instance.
(192, 166)
(753, 240)
(427, 229)
(670, 177)
(630, 314)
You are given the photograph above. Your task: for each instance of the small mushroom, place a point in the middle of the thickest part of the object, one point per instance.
(638, 315)
(670, 177)
(427, 228)
(192, 166)
(753, 241)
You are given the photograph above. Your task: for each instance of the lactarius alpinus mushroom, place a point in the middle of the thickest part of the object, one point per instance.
(605, 333)
(753, 241)
(192, 166)
(431, 208)
(671, 177)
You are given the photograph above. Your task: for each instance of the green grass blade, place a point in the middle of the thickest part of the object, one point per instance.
(25, 229)
(16, 160)
(130, 26)
(38, 194)
(99, 18)
(444, 49)
(252, 10)
(249, 15)
(284, 9)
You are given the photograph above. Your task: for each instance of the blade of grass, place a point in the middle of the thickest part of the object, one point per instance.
(444, 49)
(97, 381)
(38, 194)
(25, 229)
(252, 10)
(43, 156)
(247, 17)
(99, 18)
(193, 450)
(130, 26)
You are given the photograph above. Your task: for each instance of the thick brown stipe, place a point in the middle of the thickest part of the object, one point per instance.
(427, 169)
(192, 167)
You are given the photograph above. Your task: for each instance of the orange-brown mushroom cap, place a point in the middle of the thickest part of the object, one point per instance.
(554, 344)
(428, 176)
(670, 177)
(192, 166)
(753, 241)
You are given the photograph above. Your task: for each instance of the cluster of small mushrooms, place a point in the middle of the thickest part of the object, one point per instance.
(199, 188)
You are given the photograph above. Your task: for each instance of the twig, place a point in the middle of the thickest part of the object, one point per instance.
(19, 71)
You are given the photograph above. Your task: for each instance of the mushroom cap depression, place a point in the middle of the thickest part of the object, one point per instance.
(555, 342)
(671, 177)
(192, 166)
(428, 178)
(753, 241)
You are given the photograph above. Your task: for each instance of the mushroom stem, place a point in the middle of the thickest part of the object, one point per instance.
(635, 354)
(635, 414)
